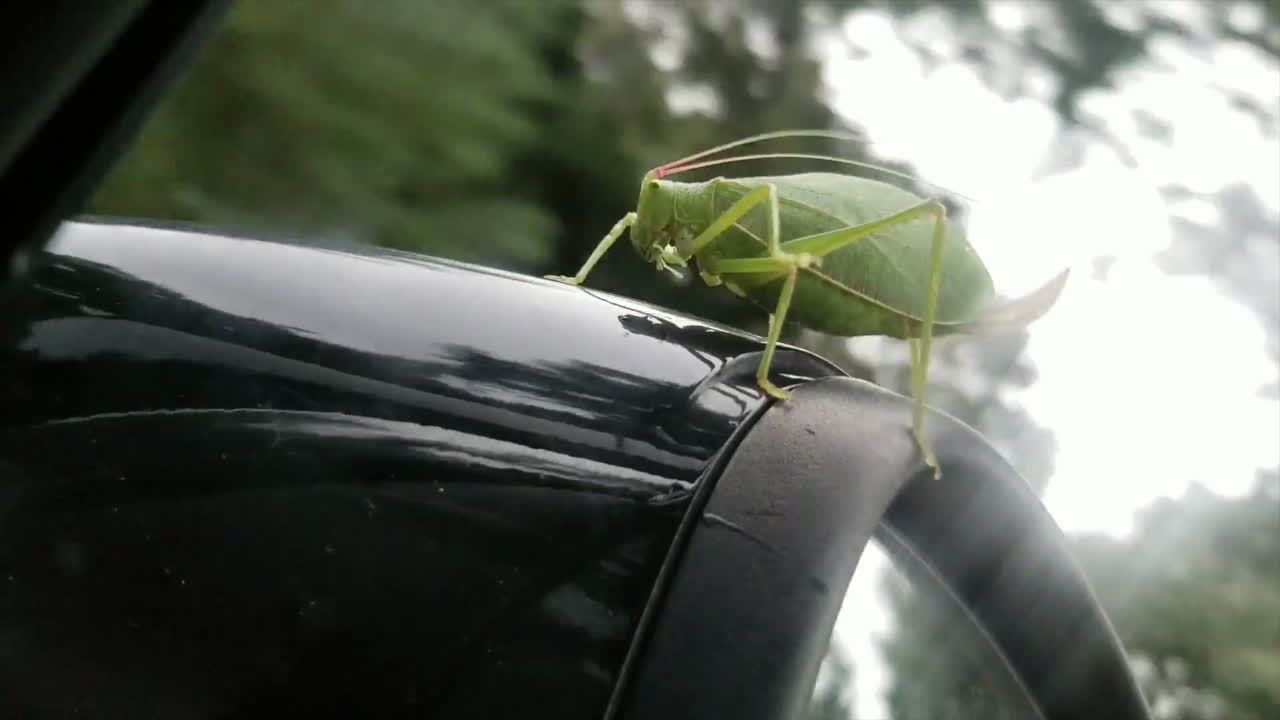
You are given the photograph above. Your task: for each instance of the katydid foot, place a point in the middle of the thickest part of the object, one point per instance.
(563, 278)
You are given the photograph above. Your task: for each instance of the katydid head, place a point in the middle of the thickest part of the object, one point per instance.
(656, 230)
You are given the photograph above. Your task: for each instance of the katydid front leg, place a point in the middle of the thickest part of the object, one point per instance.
(618, 228)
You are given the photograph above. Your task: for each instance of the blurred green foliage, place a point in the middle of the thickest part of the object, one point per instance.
(514, 133)
(397, 126)
(1195, 594)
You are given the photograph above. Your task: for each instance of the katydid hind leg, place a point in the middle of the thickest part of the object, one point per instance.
(620, 227)
(920, 355)
(828, 242)
(775, 223)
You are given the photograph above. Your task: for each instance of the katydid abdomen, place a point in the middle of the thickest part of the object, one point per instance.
(873, 286)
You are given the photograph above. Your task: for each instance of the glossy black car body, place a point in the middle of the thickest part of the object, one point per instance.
(243, 478)
(337, 478)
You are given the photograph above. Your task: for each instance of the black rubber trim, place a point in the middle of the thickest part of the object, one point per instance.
(748, 615)
(747, 618)
(46, 49)
(62, 141)
(992, 544)
(789, 363)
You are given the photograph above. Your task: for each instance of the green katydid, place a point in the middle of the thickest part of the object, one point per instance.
(839, 254)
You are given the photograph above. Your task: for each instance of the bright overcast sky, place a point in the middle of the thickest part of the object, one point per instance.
(1141, 401)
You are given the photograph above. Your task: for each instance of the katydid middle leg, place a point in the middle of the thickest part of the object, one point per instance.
(778, 261)
(788, 266)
